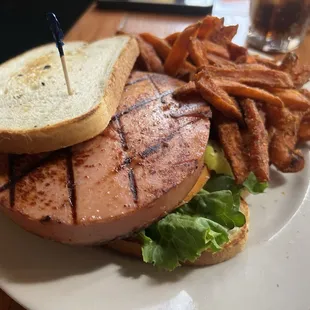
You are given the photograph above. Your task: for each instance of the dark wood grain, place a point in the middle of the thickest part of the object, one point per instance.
(95, 24)
(5, 301)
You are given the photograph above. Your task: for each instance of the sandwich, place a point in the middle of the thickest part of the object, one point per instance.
(140, 186)
(187, 133)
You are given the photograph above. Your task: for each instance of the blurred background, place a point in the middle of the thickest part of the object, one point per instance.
(23, 22)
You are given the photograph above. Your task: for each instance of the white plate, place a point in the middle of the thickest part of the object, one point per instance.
(272, 273)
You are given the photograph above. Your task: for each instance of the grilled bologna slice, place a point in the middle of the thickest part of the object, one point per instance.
(139, 169)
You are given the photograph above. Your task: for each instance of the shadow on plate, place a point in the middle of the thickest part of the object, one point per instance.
(277, 178)
(25, 258)
(135, 268)
(305, 146)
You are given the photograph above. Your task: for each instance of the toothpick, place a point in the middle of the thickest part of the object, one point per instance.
(64, 67)
(58, 37)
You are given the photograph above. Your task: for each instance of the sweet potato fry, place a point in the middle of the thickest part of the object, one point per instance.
(186, 72)
(301, 76)
(161, 47)
(198, 52)
(261, 112)
(235, 51)
(282, 150)
(285, 158)
(188, 67)
(304, 132)
(292, 98)
(252, 74)
(208, 26)
(285, 120)
(304, 129)
(306, 117)
(185, 90)
(246, 138)
(219, 61)
(149, 57)
(289, 62)
(248, 59)
(305, 92)
(224, 35)
(172, 37)
(231, 141)
(266, 62)
(241, 90)
(179, 50)
(216, 49)
(229, 32)
(279, 118)
(257, 142)
(217, 97)
(255, 59)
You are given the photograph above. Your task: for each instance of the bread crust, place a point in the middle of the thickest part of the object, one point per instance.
(235, 245)
(81, 128)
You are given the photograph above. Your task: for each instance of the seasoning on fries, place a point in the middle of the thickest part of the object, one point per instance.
(275, 110)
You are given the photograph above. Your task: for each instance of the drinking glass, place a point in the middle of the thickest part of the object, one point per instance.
(278, 25)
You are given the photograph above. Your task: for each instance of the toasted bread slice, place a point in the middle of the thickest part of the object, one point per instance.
(235, 245)
(36, 112)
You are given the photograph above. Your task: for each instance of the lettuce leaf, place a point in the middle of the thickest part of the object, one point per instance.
(218, 206)
(155, 253)
(253, 186)
(201, 224)
(180, 237)
(219, 182)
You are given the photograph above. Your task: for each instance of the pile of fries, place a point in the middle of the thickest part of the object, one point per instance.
(260, 112)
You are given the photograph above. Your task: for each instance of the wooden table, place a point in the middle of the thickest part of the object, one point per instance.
(96, 24)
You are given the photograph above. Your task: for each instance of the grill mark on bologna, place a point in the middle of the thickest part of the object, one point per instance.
(121, 133)
(13, 179)
(126, 163)
(136, 81)
(153, 148)
(154, 84)
(156, 147)
(140, 104)
(133, 184)
(11, 160)
(71, 184)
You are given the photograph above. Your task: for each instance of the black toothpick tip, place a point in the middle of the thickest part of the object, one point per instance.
(56, 31)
